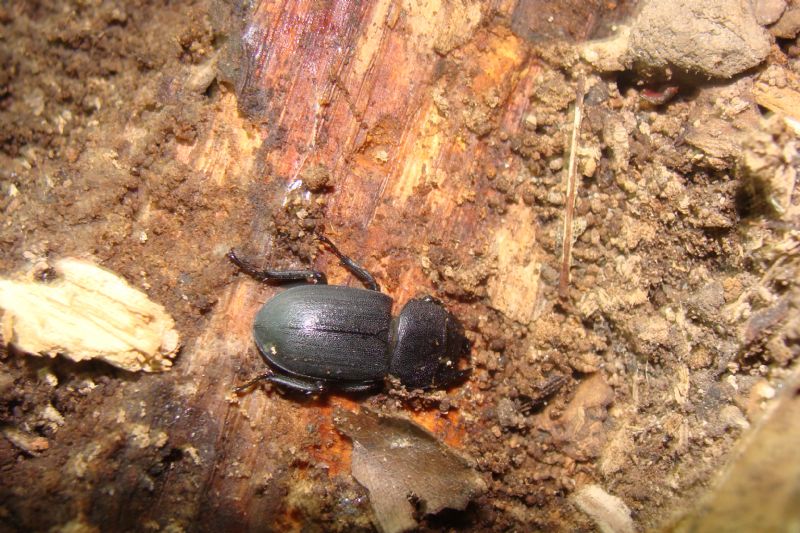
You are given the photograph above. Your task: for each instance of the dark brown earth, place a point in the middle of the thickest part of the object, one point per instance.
(679, 325)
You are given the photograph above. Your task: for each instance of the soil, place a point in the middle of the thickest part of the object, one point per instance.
(680, 321)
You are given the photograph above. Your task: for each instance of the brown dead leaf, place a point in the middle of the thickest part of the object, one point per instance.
(400, 462)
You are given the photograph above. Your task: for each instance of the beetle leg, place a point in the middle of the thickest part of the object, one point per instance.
(241, 389)
(359, 387)
(278, 276)
(297, 384)
(307, 386)
(357, 270)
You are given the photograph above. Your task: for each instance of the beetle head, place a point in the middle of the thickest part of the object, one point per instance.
(429, 343)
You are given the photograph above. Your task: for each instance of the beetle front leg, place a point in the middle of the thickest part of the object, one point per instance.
(277, 276)
(296, 384)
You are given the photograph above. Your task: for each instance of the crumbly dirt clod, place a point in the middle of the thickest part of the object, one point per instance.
(316, 178)
(662, 42)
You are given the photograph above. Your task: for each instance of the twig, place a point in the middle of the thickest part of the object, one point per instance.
(572, 186)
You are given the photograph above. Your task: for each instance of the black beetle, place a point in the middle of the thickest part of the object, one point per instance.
(324, 337)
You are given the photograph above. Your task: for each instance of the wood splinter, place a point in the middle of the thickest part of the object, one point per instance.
(572, 186)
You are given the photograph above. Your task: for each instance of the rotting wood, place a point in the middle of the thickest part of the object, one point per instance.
(396, 102)
(421, 151)
(368, 109)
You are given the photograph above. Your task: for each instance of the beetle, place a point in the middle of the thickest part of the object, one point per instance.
(317, 338)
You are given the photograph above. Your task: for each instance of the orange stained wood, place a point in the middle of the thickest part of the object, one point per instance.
(333, 450)
(389, 96)
(449, 428)
(331, 447)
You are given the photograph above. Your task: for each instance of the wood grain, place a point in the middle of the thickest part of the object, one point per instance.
(396, 100)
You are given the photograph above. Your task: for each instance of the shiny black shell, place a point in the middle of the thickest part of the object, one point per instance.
(327, 332)
(429, 342)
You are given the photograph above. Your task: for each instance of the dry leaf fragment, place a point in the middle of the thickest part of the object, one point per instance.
(399, 461)
(86, 313)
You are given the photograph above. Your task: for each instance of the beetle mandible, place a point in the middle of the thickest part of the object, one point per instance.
(321, 337)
